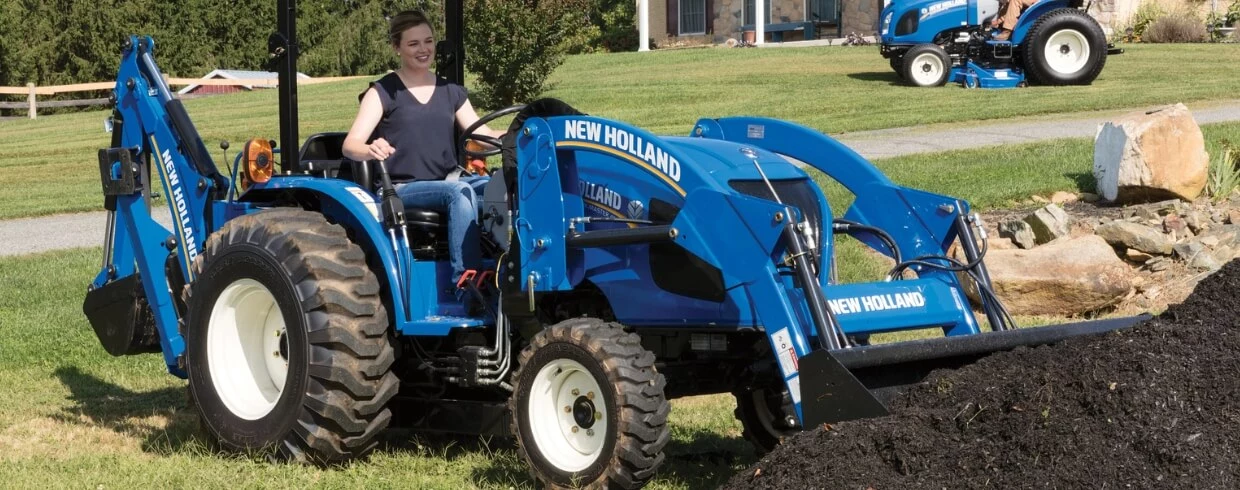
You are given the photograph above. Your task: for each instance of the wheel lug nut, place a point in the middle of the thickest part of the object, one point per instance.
(576, 392)
(590, 432)
(598, 415)
(575, 429)
(590, 395)
(568, 409)
(276, 353)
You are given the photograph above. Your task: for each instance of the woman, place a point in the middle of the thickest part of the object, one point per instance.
(406, 119)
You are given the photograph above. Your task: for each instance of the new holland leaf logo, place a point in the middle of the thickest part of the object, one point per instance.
(634, 209)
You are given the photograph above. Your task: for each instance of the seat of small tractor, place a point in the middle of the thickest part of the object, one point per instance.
(322, 154)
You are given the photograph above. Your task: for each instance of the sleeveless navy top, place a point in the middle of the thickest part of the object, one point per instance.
(422, 134)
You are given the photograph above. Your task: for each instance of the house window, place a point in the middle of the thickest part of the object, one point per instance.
(747, 15)
(692, 17)
(824, 10)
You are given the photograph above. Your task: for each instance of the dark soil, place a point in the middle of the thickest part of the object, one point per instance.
(1153, 406)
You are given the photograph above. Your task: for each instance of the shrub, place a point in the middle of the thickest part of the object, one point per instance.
(1146, 14)
(514, 45)
(1176, 28)
(619, 26)
(1224, 173)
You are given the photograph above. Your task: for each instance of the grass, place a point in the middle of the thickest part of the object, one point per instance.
(49, 165)
(78, 417)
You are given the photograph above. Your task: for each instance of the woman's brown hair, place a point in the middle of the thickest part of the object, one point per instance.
(401, 22)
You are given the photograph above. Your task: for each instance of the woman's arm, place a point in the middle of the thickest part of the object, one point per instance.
(466, 116)
(368, 116)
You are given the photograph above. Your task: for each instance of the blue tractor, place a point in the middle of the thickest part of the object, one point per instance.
(309, 309)
(932, 42)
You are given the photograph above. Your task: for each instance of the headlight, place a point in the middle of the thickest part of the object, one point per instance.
(887, 20)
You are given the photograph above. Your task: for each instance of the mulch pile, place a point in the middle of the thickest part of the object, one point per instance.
(1153, 406)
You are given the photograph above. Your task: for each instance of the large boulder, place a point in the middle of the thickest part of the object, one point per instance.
(1064, 277)
(1151, 155)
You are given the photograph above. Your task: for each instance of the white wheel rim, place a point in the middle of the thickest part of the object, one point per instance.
(1067, 51)
(246, 352)
(566, 383)
(927, 69)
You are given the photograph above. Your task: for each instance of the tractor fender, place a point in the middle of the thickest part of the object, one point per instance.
(1030, 17)
(352, 207)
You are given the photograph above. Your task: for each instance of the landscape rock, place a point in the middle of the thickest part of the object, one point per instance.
(1225, 234)
(1188, 251)
(1232, 217)
(1196, 221)
(1048, 223)
(1150, 155)
(1205, 262)
(1061, 197)
(1134, 255)
(1065, 277)
(1173, 223)
(1132, 235)
(1090, 197)
(1019, 232)
(1158, 264)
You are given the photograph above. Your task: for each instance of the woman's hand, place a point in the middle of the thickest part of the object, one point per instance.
(379, 149)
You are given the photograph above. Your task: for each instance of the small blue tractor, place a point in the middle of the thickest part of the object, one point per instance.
(932, 42)
(309, 309)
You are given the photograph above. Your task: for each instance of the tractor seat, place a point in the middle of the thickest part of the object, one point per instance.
(427, 229)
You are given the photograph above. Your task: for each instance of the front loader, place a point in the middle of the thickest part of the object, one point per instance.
(309, 309)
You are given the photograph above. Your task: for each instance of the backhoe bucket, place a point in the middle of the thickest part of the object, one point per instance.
(831, 379)
(121, 318)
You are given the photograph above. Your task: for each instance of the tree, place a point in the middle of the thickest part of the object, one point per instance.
(514, 45)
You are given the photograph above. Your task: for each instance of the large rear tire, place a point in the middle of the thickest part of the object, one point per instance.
(926, 65)
(589, 409)
(287, 347)
(1065, 47)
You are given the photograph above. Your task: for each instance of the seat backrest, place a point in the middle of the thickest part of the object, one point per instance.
(323, 146)
(323, 154)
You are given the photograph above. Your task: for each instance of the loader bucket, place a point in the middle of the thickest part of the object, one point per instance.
(829, 380)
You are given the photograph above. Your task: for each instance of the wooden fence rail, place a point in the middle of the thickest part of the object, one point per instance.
(31, 91)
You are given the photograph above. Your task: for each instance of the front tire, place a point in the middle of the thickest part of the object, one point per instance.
(287, 348)
(897, 65)
(1065, 47)
(588, 410)
(926, 65)
(764, 416)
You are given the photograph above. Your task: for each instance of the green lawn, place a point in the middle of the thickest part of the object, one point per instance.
(73, 415)
(49, 165)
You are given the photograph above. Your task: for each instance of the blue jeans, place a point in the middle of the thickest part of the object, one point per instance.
(461, 200)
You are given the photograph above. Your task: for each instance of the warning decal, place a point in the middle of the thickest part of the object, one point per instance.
(784, 352)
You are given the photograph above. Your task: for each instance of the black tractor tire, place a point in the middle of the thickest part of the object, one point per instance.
(897, 65)
(763, 417)
(926, 65)
(285, 288)
(1065, 47)
(554, 403)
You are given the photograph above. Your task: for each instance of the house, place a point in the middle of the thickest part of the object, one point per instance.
(262, 76)
(715, 21)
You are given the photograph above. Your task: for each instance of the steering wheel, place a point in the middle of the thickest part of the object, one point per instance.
(495, 143)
